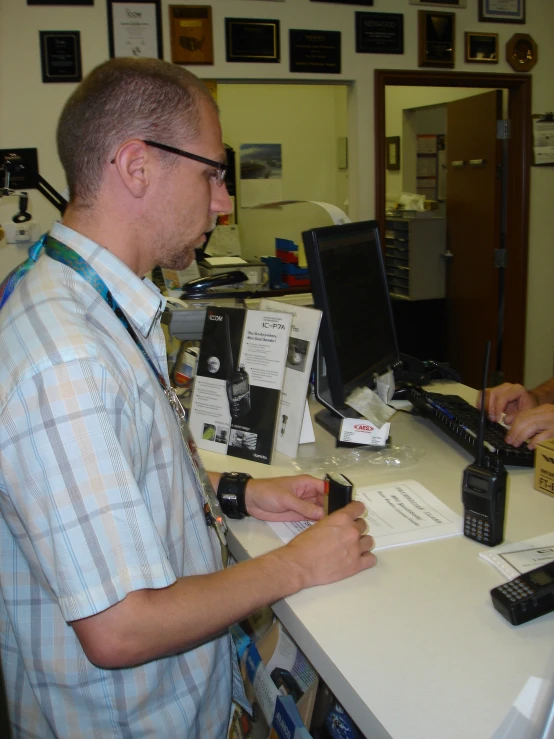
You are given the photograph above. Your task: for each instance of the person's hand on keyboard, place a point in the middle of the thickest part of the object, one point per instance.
(507, 399)
(532, 425)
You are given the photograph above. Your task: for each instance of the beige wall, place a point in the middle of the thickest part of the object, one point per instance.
(306, 120)
(29, 109)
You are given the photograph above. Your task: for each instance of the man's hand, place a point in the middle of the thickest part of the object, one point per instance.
(509, 399)
(297, 498)
(335, 548)
(533, 425)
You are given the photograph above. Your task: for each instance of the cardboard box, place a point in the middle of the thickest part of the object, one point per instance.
(544, 467)
(274, 667)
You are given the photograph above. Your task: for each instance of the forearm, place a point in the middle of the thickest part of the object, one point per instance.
(544, 393)
(149, 624)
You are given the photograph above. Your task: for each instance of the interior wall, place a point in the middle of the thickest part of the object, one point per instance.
(306, 120)
(398, 100)
(29, 109)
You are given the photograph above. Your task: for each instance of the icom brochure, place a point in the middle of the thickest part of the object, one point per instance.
(238, 384)
(300, 356)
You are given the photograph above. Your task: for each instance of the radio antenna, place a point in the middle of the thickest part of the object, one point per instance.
(482, 421)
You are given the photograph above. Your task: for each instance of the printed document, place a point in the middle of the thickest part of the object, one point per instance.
(398, 513)
(514, 560)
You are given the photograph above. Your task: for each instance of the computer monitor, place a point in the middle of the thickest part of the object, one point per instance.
(357, 339)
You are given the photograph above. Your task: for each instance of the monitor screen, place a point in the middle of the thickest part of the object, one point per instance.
(349, 285)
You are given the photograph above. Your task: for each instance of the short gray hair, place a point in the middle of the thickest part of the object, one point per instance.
(122, 99)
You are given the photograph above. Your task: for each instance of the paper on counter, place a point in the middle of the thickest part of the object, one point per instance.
(515, 559)
(397, 514)
(224, 261)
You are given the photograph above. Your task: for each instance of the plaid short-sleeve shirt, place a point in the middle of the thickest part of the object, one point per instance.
(96, 500)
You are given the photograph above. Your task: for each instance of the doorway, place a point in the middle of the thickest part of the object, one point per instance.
(519, 113)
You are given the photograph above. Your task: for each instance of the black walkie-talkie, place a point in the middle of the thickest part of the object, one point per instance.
(484, 487)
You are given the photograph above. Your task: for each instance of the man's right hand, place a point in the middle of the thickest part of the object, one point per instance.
(332, 549)
(509, 399)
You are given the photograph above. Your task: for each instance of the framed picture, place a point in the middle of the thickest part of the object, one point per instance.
(502, 11)
(135, 28)
(60, 2)
(366, 3)
(392, 153)
(481, 47)
(379, 33)
(447, 3)
(191, 34)
(315, 52)
(437, 34)
(522, 52)
(60, 56)
(252, 40)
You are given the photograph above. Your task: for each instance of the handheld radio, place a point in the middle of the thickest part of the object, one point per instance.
(484, 487)
(526, 597)
(238, 382)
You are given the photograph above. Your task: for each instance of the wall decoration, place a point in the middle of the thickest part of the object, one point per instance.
(60, 2)
(437, 33)
(252, 40)
(379, 33)
(522, 52)
(543, 139)
(191, 34)
(135, 28)
(448, 3)
(261, 174)
(316, 52)
(481, 47)
(392, 144)
(365, 3)
(60, 56)
(502, 11)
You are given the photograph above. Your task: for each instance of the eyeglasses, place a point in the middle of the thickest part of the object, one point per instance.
(221, 169)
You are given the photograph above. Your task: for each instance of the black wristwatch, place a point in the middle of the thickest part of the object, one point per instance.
(230, 493)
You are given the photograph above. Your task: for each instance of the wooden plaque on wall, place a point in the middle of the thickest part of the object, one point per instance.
(191, 34)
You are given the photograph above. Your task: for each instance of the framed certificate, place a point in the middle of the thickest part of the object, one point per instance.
(436, 39)
(502, 11)
(481, 47)
(379, 33)
(316, 52)
(135, 28)
(60, 2)
(60, 56)
(252, 40)
(191, 34)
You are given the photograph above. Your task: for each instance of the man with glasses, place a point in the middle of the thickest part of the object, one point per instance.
(114, 604)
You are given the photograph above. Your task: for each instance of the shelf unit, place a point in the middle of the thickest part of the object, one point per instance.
(414, 261)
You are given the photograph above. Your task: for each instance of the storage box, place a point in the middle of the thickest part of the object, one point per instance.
(544, 467)
(275, 666)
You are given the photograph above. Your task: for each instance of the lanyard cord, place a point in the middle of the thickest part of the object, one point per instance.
(65, 255)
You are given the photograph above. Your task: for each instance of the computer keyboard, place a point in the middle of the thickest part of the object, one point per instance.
(460, 420)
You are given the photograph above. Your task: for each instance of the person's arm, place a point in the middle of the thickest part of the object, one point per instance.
(149, 624)
(294, 498)
(544, 393)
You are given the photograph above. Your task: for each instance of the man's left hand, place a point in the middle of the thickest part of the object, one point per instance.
(296, 498)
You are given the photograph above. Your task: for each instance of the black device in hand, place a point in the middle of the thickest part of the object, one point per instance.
(338, 491)
(526, 597)
(484, 488)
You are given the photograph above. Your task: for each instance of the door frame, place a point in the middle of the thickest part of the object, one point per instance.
(517, 236)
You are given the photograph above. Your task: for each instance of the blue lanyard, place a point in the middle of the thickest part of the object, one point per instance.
(66, 255)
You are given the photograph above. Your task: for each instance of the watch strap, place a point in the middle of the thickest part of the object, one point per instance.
(231, 493)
